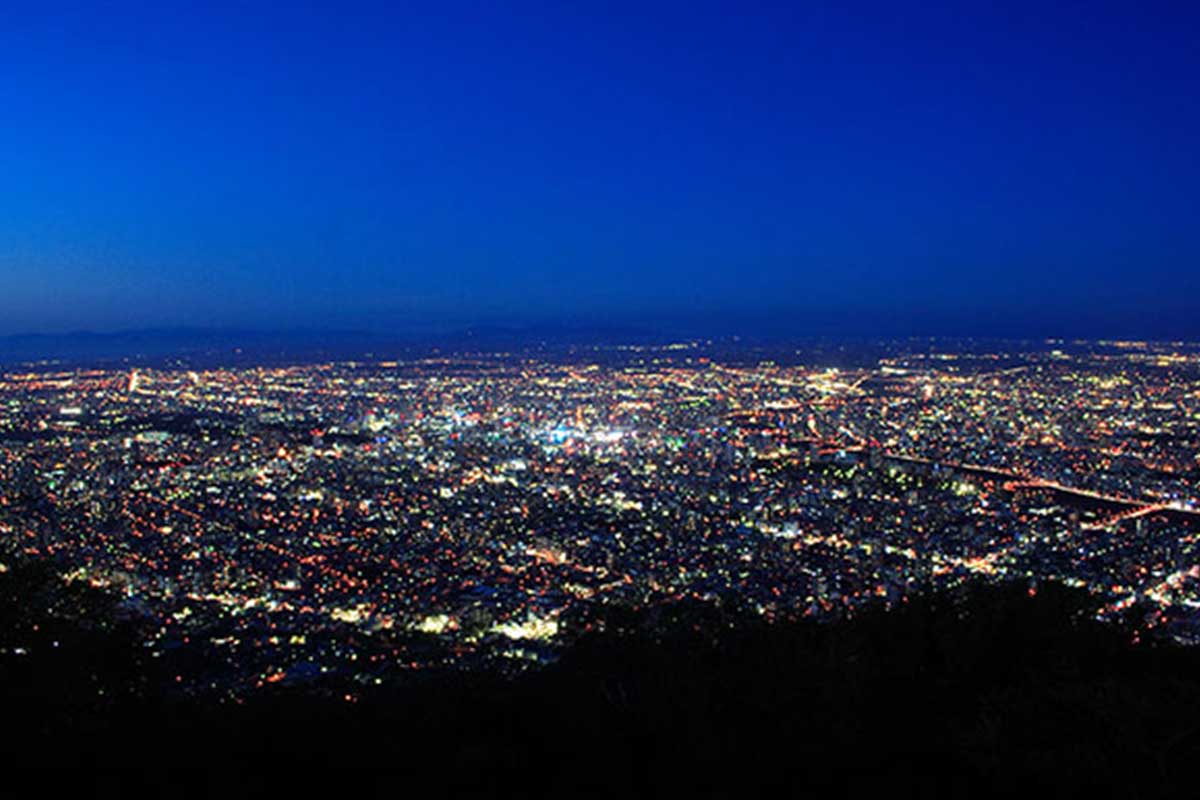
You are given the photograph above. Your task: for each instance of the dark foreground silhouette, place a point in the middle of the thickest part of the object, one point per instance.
(988, 690)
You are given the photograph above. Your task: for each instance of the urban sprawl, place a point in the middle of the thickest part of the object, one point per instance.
(374, 518)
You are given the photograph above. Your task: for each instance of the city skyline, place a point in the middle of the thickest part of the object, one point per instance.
(475, 510)
(703, 398)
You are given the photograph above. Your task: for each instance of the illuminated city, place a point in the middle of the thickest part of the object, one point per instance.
(697, 399)
(366, 519)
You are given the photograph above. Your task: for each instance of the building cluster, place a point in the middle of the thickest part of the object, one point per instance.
(365, 519)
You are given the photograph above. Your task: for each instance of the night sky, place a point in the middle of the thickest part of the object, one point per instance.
(872, 168)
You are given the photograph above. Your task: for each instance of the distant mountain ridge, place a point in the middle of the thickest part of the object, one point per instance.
(206, 345)
(160, 343)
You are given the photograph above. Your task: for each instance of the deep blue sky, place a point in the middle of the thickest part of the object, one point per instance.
(1020, 168)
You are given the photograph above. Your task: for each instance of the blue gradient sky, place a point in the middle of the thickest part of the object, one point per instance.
(1024, 168)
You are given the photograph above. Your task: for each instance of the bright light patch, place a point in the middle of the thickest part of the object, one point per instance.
(436, 623)
(532, 628)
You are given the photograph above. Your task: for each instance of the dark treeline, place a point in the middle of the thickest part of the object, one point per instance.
(988, 690)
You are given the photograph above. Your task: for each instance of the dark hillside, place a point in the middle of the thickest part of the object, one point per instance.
(990, 690)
